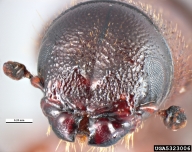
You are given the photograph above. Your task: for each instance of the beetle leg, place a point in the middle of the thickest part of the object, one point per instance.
(17, 71)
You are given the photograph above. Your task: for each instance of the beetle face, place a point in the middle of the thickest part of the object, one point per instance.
(101, 63)
(104, 67)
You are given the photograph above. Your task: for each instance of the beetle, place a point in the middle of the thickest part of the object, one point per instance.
(103, 67)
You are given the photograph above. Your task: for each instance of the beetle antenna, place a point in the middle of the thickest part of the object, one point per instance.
(17, 71)
(174, 117)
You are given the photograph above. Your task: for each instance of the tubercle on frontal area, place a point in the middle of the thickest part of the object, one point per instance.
(64, 121)
(54, 107)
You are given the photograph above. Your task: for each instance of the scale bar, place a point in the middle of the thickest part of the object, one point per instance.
(19, 120)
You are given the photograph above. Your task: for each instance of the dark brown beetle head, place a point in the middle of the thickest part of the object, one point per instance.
(104, 67)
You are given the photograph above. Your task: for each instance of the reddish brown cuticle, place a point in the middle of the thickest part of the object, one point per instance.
(15, 70)
(37, 82)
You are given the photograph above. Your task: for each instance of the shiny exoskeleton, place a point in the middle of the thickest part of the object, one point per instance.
(104, 67)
